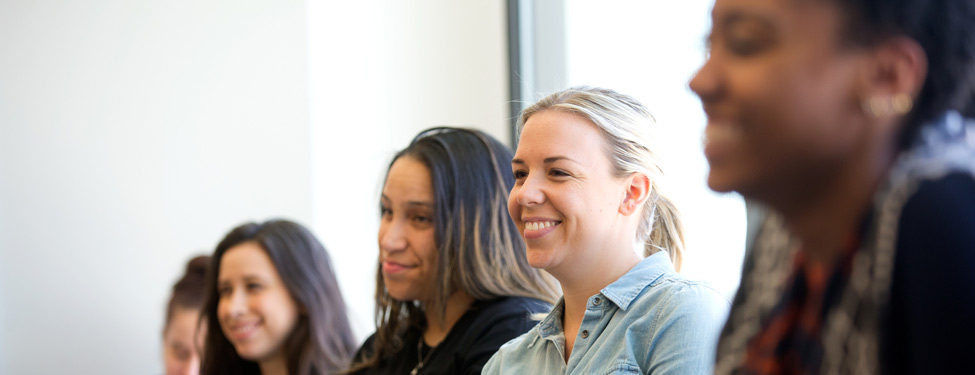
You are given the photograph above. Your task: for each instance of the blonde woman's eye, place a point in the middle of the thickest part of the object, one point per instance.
(520, 174)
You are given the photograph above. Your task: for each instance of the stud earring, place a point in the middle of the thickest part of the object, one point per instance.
(887, 105)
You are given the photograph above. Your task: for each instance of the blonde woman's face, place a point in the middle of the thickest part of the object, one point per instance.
(565, 200)
(407, 247)
(183, 342)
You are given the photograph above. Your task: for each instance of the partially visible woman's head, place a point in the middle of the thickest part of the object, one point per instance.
(272, 295)
(621, 137)
(182, 332)
(444, 229)
(444, 199)
(794, 89)
(944, 29)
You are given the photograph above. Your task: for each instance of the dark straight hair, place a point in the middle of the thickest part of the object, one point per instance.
(322, 341)
(479, 248)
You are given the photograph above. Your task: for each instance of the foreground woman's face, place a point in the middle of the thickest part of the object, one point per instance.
(407, 249)
(780, 89)
(565, 200)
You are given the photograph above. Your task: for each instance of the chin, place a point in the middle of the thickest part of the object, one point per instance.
(250, 354)
(541, 259)
(719, 185)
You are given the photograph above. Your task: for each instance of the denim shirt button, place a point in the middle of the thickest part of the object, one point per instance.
(585, 334)
(596, 301)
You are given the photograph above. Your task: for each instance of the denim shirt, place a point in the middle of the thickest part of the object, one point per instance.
(649, 321)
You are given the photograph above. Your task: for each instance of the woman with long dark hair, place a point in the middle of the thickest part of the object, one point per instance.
(452, 281)
(273, 305)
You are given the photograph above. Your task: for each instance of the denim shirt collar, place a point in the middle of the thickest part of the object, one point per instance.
(625, 289)
(621, 292)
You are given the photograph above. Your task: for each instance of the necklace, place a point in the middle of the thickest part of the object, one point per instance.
(420, 357)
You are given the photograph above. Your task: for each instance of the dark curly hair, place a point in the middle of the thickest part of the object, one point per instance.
(945, 29)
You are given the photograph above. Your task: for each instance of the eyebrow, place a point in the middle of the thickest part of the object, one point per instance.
(383, 197)
(247, 278)
(735, 17)
(548, 160)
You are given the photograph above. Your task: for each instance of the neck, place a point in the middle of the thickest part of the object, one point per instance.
(438, 326)
(825, 216)
(588, 277)
(275, 365)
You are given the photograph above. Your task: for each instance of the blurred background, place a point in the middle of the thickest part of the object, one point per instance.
(135, 134)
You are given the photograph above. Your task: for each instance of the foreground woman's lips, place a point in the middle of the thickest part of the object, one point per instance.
(719, 137)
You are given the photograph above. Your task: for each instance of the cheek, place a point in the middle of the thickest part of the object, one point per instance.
(427, 248)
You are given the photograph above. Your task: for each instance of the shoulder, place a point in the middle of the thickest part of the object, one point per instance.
(366, 349)
(506, 316)
(675, 293)
(674, 306)
(678, 321)
(516, 306)
(936, 229)
(513, 353)
(932, 292)
(944, 204)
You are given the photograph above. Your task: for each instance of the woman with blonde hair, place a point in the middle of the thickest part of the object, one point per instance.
(452, 283)
(588, 203)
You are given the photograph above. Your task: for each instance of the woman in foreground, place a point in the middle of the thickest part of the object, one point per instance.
(851, 121)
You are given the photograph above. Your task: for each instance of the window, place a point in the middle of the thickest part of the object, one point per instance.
(647, 49)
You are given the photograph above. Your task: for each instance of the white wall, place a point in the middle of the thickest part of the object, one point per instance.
(134, 134)
(381, 71)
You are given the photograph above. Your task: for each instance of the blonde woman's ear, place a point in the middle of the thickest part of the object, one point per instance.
(638, 189)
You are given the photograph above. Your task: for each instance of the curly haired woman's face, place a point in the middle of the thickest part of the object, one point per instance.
(407, 248)
(256, 311)
(781, 90)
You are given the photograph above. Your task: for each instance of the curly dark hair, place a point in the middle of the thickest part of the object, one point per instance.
(945, 30)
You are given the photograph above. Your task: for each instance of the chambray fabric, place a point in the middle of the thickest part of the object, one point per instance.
(649, 321)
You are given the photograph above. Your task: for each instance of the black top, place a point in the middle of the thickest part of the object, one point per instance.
(470, 343)
(932, 301)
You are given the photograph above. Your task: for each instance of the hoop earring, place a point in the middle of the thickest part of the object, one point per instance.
(887, 105)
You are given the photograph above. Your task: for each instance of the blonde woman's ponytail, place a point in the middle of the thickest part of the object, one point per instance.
(667, 230)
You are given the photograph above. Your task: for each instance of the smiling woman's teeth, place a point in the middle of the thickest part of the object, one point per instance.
(536, 225)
